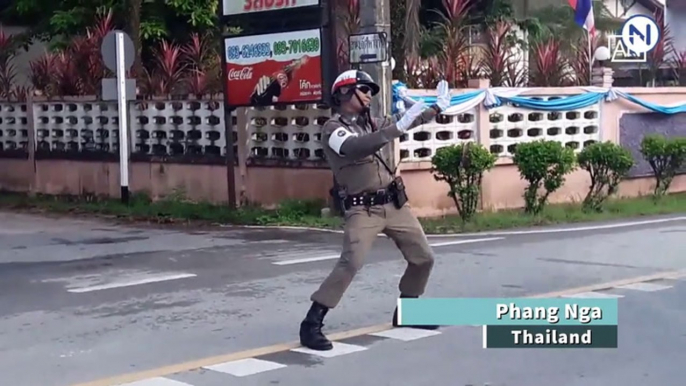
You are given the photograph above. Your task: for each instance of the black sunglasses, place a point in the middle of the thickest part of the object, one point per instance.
(365, 89)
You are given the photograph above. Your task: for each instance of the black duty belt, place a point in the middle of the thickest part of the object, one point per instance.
(380, 197)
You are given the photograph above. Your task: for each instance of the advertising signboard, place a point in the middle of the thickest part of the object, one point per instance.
(283, 68)
(240, 7)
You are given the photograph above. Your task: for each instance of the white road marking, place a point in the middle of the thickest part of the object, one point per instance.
(155, 382)
(406, 334)
(502, 233)
(245, 367)
(456, 242)
(593, 295)
(565, 230)
(306, 260)
(646, 287)
(338, 350)
(132, 282)
(331, 257)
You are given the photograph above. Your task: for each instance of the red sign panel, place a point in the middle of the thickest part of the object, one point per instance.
(238, 7)
(263, 70)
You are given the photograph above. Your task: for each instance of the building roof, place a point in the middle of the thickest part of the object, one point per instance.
(651, 5)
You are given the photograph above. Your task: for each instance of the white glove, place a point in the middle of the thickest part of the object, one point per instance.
(410, 116)
(402, 93)
(400, 105)
(443, 95)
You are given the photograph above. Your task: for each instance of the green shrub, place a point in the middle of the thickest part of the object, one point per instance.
(462, 168)
(543, 164)
(666, 157)
(607, 163)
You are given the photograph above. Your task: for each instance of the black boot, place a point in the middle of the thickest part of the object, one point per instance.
(311, 335)
(395, 317)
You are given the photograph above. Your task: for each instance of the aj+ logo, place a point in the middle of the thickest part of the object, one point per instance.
(640, 35)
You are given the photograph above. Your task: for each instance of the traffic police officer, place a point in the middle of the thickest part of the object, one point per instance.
(372, 196)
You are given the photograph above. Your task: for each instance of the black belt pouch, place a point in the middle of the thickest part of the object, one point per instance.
(397, 191)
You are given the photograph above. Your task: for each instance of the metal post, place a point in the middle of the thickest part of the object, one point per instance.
(376, 17)
(123, 120)
(230, 156)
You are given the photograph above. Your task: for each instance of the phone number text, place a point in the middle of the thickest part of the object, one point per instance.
(266, 50)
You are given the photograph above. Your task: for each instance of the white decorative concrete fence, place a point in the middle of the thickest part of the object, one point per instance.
(193, 131)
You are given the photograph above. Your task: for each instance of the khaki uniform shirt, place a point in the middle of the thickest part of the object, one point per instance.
(356, 169)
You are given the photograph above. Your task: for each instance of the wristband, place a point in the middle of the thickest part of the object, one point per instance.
(436, 108)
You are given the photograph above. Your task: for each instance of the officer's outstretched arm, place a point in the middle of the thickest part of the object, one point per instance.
(426, 117)
(352, 145)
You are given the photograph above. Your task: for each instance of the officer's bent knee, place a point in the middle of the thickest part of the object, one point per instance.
(351, 265)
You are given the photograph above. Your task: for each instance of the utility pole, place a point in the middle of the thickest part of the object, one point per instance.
(375, 16)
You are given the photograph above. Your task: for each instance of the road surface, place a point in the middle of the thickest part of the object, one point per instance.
(85, 302)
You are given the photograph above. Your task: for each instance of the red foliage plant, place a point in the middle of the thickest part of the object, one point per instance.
(8, 71)
(167, 71)
(456, 40)
(76, 70)
(680, 66)
(660, 55)
(202, 62)
(10, 91)
(500, 57)
(551, 67)
(423, 74)
(348, 12)
(581, 60)
(191, 68)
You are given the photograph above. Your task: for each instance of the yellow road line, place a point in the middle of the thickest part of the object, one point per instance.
(196, 364)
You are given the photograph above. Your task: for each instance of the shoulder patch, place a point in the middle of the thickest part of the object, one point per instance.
(338, 137)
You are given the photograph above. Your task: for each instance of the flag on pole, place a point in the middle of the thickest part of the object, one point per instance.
(583, 14)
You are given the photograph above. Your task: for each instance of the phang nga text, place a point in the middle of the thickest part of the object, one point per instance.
(551, 314)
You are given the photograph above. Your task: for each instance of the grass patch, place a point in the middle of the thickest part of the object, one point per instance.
(559, 214)
(175, 210)
(172, 210)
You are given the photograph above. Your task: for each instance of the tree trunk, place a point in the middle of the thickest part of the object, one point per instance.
(134, 27)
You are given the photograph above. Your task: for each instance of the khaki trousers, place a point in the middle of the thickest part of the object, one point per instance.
(361, 229)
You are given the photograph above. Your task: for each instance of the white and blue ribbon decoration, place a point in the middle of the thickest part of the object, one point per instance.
(495, 97)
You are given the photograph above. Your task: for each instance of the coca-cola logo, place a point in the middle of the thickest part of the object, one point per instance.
(243, 74)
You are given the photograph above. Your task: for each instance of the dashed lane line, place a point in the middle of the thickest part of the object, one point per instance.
(144, 279)
(342, 348)
(331, 257)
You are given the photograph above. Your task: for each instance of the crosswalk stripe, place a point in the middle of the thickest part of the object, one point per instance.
(156, 382)
(338, 350)
(245, 367)
(406, 334)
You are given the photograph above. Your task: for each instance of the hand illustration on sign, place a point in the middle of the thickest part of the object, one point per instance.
(269, 88)
(262, 85)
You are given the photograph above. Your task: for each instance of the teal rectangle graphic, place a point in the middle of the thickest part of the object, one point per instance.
(550, 337)
(507, 311)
